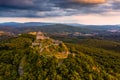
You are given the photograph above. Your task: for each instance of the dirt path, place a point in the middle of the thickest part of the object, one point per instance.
(20, 69)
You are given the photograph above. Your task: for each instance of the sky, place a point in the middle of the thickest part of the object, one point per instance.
(93, 12)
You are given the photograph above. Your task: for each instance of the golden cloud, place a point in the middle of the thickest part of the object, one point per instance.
(90, 1)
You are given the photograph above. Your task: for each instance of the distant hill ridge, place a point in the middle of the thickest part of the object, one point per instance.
(15, 24)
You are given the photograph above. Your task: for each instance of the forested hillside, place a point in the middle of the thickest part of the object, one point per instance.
(87, 59)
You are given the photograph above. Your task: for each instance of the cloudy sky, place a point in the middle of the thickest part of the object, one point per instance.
(61, 11)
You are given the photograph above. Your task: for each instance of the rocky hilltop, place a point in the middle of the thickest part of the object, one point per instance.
(44, 45)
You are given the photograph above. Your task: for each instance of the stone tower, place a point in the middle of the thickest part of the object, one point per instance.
(40, 35)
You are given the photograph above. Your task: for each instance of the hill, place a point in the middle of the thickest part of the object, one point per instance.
(49, 47)
(25, 57)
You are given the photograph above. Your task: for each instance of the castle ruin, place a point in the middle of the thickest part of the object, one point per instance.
(41, 36)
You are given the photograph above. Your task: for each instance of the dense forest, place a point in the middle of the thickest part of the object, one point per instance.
(88, 59)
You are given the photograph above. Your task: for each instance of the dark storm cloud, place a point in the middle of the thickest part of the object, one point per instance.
(16, 3)
(116, 5)
(25, 5)
(51, 8)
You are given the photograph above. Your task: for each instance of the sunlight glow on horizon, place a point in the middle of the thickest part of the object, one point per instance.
(80, 19)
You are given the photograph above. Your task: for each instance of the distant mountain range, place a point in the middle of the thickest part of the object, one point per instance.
(14, 24)
(60, 26)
